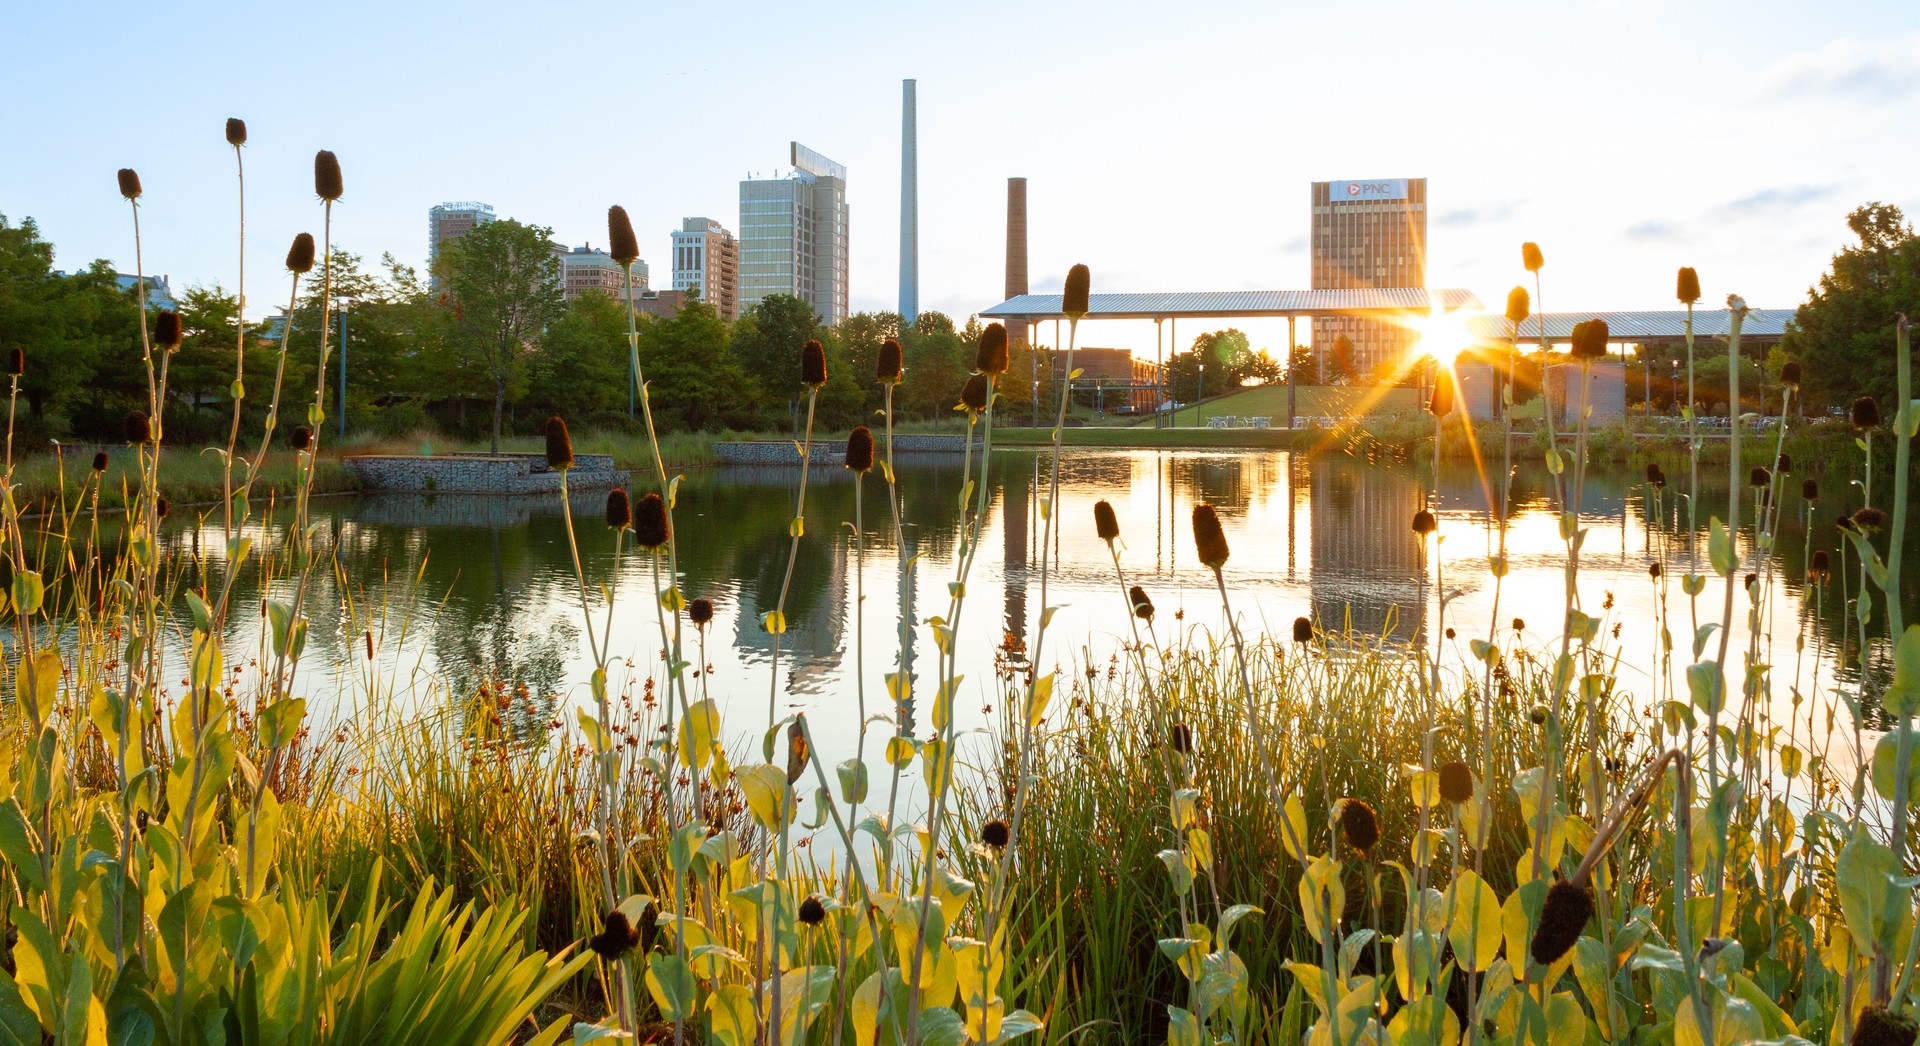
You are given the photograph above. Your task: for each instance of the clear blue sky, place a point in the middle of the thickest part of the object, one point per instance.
(1167, 146)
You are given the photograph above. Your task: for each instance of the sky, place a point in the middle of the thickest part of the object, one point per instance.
(1168, 147)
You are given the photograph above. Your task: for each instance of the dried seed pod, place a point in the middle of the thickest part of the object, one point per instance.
(1531, 258)
(813, 364)
(1865, 413)
(1810, 489)
(1519, 305)
(995, 834)
(973, 395)
(1821, 561)
(1519, 624)
(300, 255)
(651, 527)
(1790, 373)
(138, 428)
(236, 131)
(1077, 294)
(99, 461)
(812, 912)
(1105, 524)
(166, 329)
(161, 506)
(619, 508)
(1456, 782)
(860, 449)
(301, 438)
(326, 176)
(887, 368)
(1783, 463)
(622, 245)
(1759, 477)
(1568, 907)
(700, 611)
(1590, 339)
(1142, 606)
(129, 183)
(616, 938)
(1303, 630)
(1180, 736)
(16, 361)
(1870, 519)
(559, 444)
(1440, 403)
(1686, 286)
(1208, 539)
(1358, 824)
(991, 355)
(1879, 1026)
(1653, 570)
(1424, 523)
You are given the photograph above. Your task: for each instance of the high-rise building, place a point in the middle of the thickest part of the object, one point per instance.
(793, 235)
(450, 221)
(1366, 234)
(706, 258)
(587, 268)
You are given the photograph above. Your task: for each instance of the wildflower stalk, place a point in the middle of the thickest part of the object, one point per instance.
(1903, 426)
(776, 622)
(1737, 310)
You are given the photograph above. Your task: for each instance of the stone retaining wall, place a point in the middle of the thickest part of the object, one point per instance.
(480, 473)
(832, 451)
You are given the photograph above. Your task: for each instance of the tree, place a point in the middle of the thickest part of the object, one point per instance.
(68, 326)
(766, 347)
(693, 381)
(1344, 366)
(504, 283)
(581, 368)
(1843, 334)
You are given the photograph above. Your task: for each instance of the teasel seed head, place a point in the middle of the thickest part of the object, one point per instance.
(1142, 606)
(1440, 403)
(1078, 291)
(1844, 523)
(700, 612)
(1590, 339)
(16, 361)
(326, 176)
(301, 438)
(973, 395)
(1790, 373)
(300, 255)
(1537, 715)
(1870, 519)
(1750, 581)
(1759, 477)
(129, 183)
(1655, 474)
(622, 245)
(1686, 286)
(99, 461)
(1821, 561)
(1784, 463)
(651, 528)
(860, 449)
(1810, 489)
(1358, 825)
(1180, 736)
(1303, 630)
(991, 355)
(619, 508)
(1450, 632)
(1456, 782)
(559, 444)
(1519, 624)
(1568, 907)
(1208, 539)
(1866, 413)
(1424, 523)
(1519, 305)
(813, 364)
(1879, 1026)
(1105, 524)
(995, 834)
(236, 131)
(161, 507)
(166, 329)
(1531, 258)
(1653, 570)
(617, 936)
(888, 368)
(138, 428)
(812, 912)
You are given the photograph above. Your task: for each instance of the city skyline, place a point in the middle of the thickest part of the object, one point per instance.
(1741, 161)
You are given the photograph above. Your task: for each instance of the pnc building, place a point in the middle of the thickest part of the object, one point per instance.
(793, 236)
(1367, 233)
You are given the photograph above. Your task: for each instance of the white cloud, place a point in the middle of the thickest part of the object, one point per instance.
(1876, 70)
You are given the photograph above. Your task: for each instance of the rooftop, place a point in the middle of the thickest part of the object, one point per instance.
(1228, 304)
(1652, 326)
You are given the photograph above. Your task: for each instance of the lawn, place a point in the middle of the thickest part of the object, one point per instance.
(1311, 401)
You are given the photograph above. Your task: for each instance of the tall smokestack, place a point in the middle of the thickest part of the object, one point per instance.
(1016, 248)
(909, 207)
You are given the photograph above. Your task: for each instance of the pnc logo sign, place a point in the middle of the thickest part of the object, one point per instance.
(1376, 189)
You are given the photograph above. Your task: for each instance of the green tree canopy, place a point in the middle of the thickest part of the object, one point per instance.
(504, 285)
(1843, 334)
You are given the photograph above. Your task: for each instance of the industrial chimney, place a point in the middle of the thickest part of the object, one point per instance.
(909, 208)
(1016, 249)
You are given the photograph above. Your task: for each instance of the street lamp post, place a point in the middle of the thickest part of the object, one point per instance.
(342, 401)
(1199, 393)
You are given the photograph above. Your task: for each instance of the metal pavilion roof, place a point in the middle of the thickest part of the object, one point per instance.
(1657, 325)
(1225, 304)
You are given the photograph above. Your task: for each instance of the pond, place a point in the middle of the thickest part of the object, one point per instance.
(460, 590)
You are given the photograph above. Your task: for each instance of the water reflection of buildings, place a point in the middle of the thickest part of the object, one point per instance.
(813, 646)
(1366, 560)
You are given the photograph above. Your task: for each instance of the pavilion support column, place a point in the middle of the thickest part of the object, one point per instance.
(1291, 404)
(1159, 376)
(1173, 346)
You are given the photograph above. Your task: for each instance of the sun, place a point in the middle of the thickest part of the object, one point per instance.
(1442, 335)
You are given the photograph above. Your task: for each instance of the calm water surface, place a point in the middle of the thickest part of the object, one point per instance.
(465, 589)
